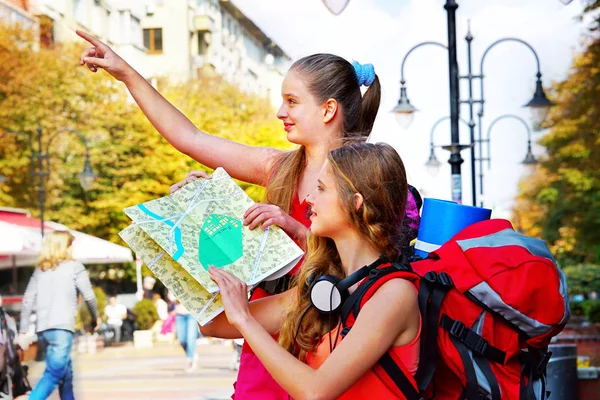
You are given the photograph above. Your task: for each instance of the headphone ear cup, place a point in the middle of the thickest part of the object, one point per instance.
(324, 294)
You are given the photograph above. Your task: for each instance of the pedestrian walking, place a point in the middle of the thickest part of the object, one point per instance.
(52, 294)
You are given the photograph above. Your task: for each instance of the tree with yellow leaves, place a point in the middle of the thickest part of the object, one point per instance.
(47, 88)
(560, 201)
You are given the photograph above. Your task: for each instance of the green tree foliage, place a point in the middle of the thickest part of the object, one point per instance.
(145, 314)
(591, 309)
(46, 88)
(560, 201)
(583, 279)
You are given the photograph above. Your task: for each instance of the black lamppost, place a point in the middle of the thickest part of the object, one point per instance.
(529, 157)
(404, 111)
(40, 164)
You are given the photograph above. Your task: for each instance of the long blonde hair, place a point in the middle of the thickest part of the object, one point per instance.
(55, 249)
(377, 173)
(327, 76)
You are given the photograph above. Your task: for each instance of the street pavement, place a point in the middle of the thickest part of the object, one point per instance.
(155, 373)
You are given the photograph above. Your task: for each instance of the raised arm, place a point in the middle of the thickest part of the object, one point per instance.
(268, 311)
(247, 163)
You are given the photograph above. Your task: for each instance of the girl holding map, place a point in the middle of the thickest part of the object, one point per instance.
(322, 105)
(354, 226)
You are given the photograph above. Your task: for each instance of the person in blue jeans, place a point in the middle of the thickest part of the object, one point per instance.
(52, 293)
(186, 329)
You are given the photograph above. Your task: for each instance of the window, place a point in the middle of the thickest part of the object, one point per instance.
(110, 33)
(80, 11)
(135, 28)
(202, 6)
(253, 50)
(99, 23)
(202, 45)
(123, 22)
(46, 31)
(153, 40)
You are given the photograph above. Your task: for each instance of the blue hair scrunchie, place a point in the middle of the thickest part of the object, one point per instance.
(365, 73)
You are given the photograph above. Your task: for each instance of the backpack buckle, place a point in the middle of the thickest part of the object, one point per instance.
(445, 280)
(536, 361)
(481, 346)
(431, 277)
(374, 273)
(542, 363)
(401, 267)
(458, 329)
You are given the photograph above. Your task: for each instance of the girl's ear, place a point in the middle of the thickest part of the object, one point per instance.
(330, 108)
(358, 201)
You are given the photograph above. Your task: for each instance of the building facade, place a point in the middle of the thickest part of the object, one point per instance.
(17, 11)
(185, 38)
(177, 39)
(117, 23)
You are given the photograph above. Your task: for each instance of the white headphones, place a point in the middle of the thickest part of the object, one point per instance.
(328, 292)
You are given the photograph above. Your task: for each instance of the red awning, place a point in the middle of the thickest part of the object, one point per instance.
(24, 240)
(21, 218)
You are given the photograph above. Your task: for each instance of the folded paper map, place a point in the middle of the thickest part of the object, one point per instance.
(197, 300)
(201, 225)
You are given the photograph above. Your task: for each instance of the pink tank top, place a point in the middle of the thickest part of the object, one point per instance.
(254, 381)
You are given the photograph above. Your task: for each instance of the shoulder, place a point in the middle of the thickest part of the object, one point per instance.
(397, 293)
(398, 287)
(391, 313)
(73, 265)
(274, 158)
(278, 157)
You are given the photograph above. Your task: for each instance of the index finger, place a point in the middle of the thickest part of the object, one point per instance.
(262, 207)
(252, 208)
(198, 174)
(91, 39)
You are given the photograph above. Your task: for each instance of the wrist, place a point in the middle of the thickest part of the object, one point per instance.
(243, 321)
(300, 233)
(130, 75)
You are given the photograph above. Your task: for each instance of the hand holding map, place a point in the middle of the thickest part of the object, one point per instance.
(181, 235)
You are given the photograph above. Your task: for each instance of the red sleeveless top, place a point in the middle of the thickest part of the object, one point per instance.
(370, 385)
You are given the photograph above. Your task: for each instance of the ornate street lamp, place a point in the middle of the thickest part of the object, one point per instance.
(433, 164)
(529, 157)
(539, 104)
(86, 177)
(336, 6)
(404, 111)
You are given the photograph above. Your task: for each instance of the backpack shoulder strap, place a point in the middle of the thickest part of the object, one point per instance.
(377, 277)
(387, 369)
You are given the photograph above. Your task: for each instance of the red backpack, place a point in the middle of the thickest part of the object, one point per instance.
(491, 299)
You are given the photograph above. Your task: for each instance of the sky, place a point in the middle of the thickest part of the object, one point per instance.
(381, 32)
